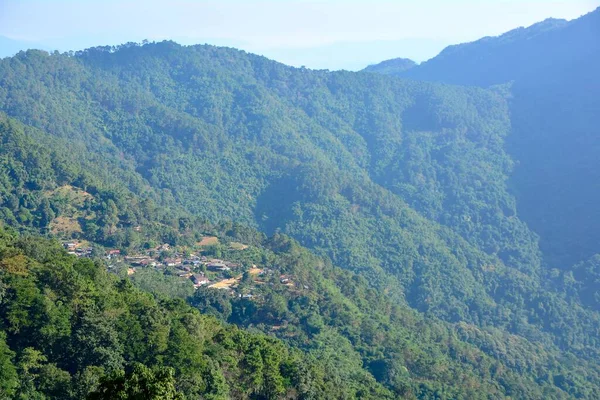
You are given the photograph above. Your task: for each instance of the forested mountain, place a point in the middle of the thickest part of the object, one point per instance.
(552, 71)
(404, 183)
(408, 355)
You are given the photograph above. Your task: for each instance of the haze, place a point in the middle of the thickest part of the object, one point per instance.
(317, 34)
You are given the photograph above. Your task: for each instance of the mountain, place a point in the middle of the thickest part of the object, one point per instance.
(391, 67)
(406, 184)
(333, 309)
(551, 69)
(541, 49)
(354, 166)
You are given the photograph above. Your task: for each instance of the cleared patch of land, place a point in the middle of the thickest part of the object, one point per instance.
(224, 284)
(238, 246)
(208, 241)
(72, 194)
(65, 226)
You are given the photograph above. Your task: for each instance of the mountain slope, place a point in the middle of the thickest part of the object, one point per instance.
(70, 330)
(240, 133)
(334, 310)
(45, 189)
(542, 48)
(402, 182)
(553, 101)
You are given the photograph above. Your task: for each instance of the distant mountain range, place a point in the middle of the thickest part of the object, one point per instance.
(335, 56)
(513, 55)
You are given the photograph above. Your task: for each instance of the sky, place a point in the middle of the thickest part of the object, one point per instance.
(334, 34)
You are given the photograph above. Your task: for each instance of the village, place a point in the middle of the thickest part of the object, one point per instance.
(200, 269)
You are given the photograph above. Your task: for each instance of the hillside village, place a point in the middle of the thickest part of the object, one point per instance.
(202, 270)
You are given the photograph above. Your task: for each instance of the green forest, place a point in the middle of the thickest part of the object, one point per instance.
(550, 68)
(403, 209)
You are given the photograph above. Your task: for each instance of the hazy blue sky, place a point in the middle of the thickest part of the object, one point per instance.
(319, 34)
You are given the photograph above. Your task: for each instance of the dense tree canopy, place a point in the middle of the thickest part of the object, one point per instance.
(551, 68)
(403, 183)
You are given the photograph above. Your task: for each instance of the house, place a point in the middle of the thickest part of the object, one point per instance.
(231, 264)
(135, 258)
(141, 262)
(199, 280)
(113, 252)
(217, 266)
(70, 245)
(171, 262)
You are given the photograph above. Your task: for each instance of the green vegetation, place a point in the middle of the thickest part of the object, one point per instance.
(551, 68)
(69, 329)
(443, 291)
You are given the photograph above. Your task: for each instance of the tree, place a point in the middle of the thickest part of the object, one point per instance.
(46, 213)
(142, 383)
(9, 380)
(110, 217)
